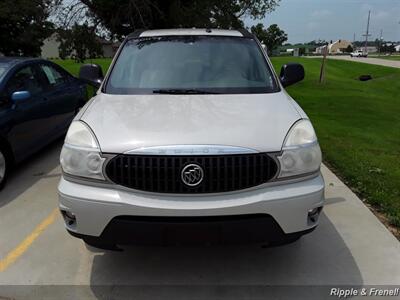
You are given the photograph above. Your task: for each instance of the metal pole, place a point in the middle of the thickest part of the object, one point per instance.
(322, 71)
(367, 34)
(380, 42)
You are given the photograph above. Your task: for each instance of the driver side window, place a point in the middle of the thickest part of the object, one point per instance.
(3, 98)
(24, 79)
(53, 76)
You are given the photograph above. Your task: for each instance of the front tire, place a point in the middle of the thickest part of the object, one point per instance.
(4, 167)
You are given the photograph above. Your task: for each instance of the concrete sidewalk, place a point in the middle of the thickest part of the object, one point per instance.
(350, 247)
(367, 60)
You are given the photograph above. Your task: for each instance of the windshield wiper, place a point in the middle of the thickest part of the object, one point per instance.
(182, 91)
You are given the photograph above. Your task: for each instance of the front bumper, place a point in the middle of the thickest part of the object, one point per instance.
(98, 207)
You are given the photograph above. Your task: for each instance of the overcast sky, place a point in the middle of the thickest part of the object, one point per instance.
(307, 20)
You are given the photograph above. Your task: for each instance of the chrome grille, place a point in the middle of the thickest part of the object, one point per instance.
(162, 173)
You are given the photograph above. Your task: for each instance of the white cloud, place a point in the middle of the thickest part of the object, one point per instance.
(312, 25)
(366, 7)
(382, 14)
(323, 13)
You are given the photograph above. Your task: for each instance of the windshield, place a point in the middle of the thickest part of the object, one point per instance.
(191, 64)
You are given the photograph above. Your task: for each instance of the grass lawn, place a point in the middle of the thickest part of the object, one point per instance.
(358, 124)
(73, 67)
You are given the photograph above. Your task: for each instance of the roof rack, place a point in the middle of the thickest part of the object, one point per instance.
(245, 33)
(135, 34)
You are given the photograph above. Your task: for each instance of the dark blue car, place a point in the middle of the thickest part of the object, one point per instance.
(38, 100)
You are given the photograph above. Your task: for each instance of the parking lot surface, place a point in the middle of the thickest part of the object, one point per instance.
(350, 247)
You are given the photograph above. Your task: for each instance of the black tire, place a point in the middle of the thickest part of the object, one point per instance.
(365, 77)
(4, 155)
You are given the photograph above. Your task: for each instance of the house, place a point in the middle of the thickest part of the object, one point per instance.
(51, 45)
(339, 46)
(319, 50)
(297, 49)
(370, 49)
(109, 48)
(397, 48)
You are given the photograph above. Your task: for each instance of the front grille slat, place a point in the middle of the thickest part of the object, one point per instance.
(162, 174)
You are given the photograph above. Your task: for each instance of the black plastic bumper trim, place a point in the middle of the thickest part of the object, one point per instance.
(143, 230)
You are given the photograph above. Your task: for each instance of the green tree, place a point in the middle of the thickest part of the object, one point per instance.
(24, 26)
(80, 42)
(272, 37)
(349, 49)
(260, 32)
(124, 16)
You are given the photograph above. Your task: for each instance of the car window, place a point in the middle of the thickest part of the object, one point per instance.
(53, 76)
(25, 79)
(213, 64)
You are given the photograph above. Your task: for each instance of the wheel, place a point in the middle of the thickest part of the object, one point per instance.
(4, 167)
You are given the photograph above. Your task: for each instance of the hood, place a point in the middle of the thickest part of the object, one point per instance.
(126, 122)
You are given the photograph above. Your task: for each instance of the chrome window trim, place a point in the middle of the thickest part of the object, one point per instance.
(191, 150)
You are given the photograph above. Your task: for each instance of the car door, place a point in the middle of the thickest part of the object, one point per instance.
(29, 118)
(61, 96)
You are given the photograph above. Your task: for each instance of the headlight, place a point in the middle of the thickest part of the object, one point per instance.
(301, 153)
(80, 155)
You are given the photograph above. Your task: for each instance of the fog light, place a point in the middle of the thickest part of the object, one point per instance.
(313, 214)
(69, 217)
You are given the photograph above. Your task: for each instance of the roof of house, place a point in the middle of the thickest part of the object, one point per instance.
(339, 41)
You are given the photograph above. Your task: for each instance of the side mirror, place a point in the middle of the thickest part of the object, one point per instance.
(91, 74)
(291, 73)
(20, 95)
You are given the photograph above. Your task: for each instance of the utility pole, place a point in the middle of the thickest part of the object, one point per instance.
(322, 71)
(367, 33)
(380, 42)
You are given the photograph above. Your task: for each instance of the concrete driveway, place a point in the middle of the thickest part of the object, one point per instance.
(367, 60)
(38, 258)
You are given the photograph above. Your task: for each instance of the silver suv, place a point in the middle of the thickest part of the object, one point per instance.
(191, 138)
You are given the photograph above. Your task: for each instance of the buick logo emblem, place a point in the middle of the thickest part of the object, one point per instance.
(192, 175)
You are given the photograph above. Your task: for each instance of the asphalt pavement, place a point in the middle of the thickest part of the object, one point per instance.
(38, 259)
(367, 60)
